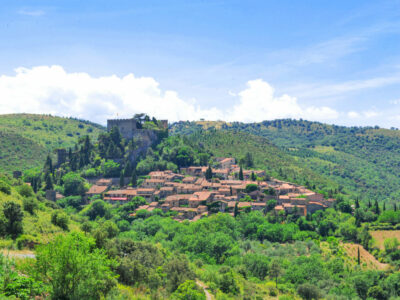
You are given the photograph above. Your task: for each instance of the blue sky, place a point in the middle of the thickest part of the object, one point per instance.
(331, 61)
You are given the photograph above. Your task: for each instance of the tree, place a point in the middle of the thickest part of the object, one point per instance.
(48, 165)
(188, 291)
(122, 179)
(98, 208)
(308, 291)
(241, 173)
(178, 271)
(74, 185)
(13, 218)
(251, 188)
(209, 173)
(134, 178)
(275, 270)
(253, 176)
(48, 182)
(358, 256)
(377, 209)
(60, 219)
(357, 203)
(74, 268)
(236, 211)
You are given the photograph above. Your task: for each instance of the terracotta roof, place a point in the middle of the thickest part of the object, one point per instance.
(97, 189)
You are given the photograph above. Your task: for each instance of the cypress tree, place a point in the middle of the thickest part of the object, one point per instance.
(253, 176)
(48, 165)
(384, 206)
(230, 191)
(48, 182)
(369, 204)
(377, 210)
(241, 173)
(394, 207)
(121, 179)
(209, 174)
(134, 178)
(236, 211)
(358, 256)
(357, 203)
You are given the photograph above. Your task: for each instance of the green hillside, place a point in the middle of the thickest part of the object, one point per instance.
(363, 160)
(26, 139)
(265, 155)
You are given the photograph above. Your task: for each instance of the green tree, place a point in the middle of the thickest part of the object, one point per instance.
(74, 268)
(178, 271)
(236, 210)
(134, 178)
(74, 185)
(209, 173)
(48, 180)
(358, 256)
(377, 209)
(308, 291)
(48, 165)
(60, 219)
(188, 291)
(13, 216)
(98, 208)
(122, 179)
(275, 270)
(253, 176)
(241, 173)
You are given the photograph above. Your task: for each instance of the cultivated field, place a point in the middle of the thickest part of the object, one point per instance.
(381, 235)
(368, 261)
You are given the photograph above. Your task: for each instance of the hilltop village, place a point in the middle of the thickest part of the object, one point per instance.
(192, 196)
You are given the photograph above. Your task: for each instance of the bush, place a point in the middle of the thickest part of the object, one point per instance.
(308, 291)
(29, 205)
(27, 241)
(5, 188)
(188, 290)
(25, 190)
(74, 268)
(60, 219)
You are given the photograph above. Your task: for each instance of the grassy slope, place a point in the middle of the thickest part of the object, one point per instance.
(365, 161)
(26, 139)
(39, 224)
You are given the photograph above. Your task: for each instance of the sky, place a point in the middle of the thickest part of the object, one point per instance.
(336, 62)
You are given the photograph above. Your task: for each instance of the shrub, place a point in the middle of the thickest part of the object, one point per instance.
(27, 241)
(5, 188)
(60, 219)
(308, 291)
(29, 205)
(25, 190)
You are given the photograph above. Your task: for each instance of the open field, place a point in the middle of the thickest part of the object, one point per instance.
(368, 261)
(381, 235)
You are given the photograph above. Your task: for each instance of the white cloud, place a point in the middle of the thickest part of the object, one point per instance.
(353, 114)
(31, 12)
(258, 102)
(50, 89)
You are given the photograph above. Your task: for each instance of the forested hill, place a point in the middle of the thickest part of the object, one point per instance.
(364, 160)
(26, 139)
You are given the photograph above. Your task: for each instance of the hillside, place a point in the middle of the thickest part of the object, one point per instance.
(364, 160)
(25, 139)
(267, 156)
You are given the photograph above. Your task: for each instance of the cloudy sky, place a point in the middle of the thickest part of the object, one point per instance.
(330, 61)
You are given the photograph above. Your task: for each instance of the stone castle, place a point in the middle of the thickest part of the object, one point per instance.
(143, 138)
(129, 127)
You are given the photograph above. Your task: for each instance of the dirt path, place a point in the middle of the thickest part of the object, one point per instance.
(18, 254)
(204, 287)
